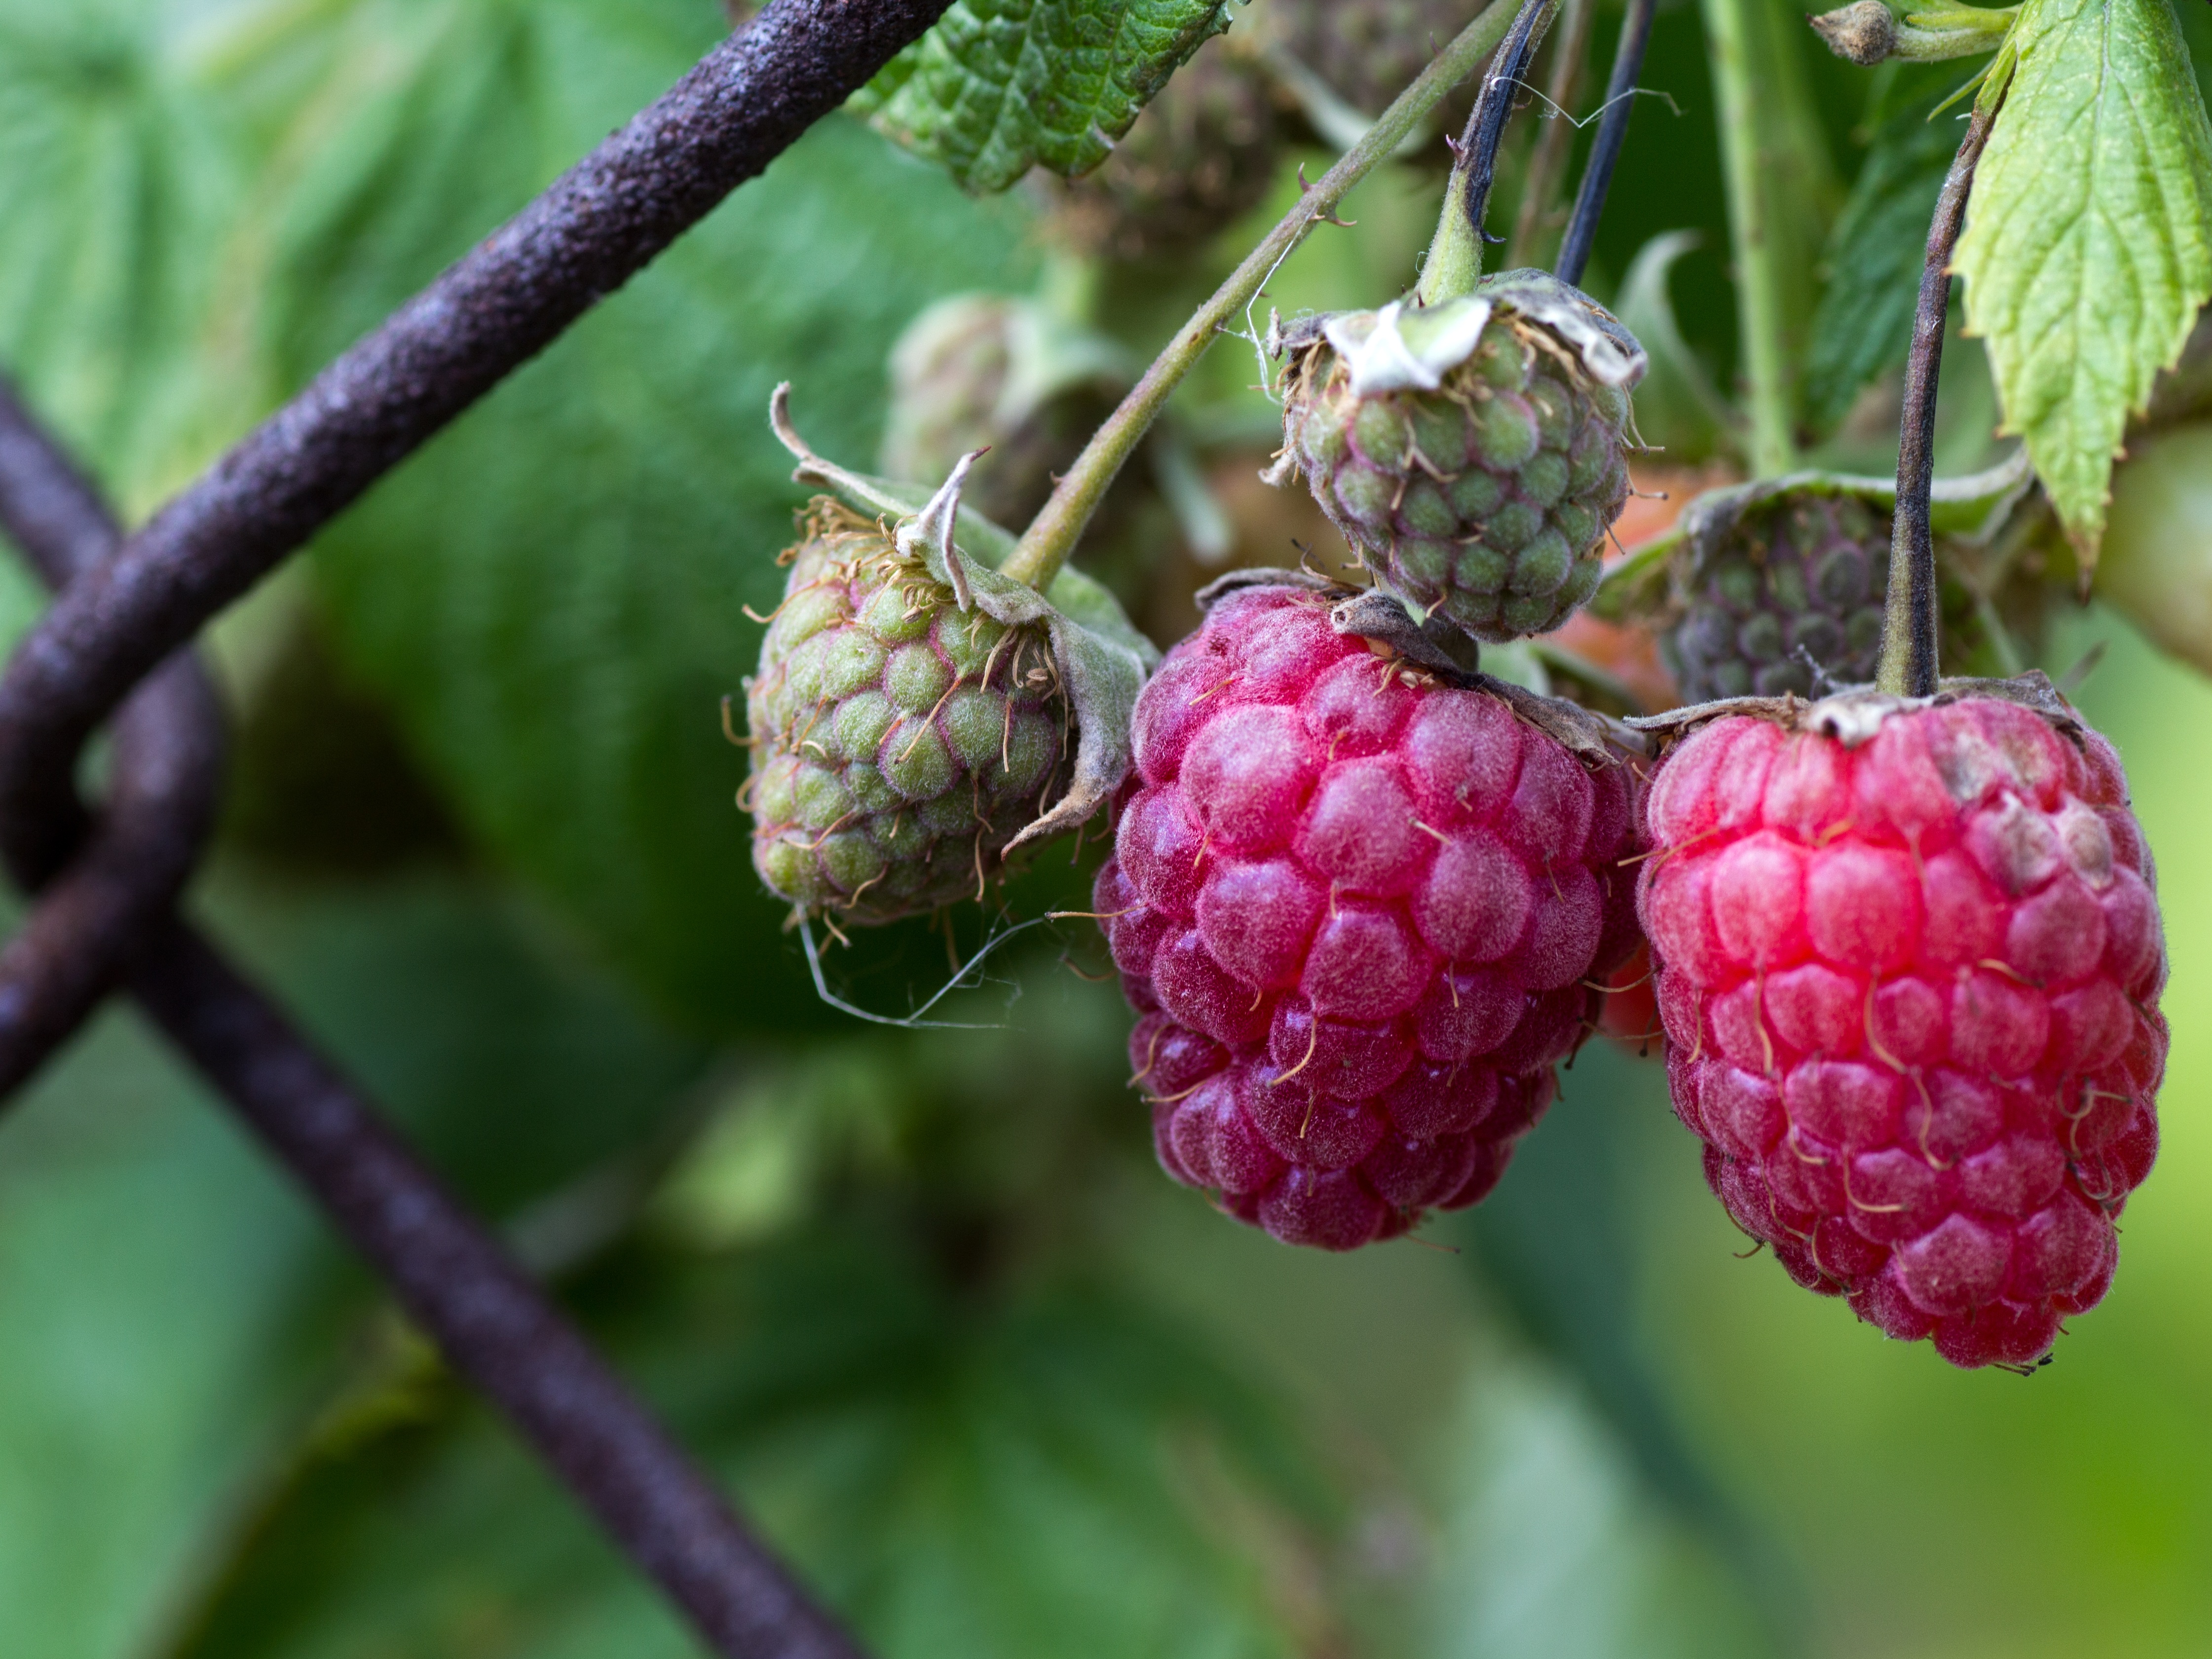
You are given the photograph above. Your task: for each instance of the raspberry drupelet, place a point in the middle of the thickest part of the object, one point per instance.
(1910, 986)
(1358, 910)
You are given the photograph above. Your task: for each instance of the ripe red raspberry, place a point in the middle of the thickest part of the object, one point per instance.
(1909, 985)
(1358, 910)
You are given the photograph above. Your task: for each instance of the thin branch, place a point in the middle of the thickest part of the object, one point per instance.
(1555, 136)
(1454, 260)
(1046, 544)
(587, 235)
(1913, 621)
(1605, 152)
(495, 1328)
(1730, 26)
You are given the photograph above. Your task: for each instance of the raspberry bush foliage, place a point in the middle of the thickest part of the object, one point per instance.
(1001, 1108)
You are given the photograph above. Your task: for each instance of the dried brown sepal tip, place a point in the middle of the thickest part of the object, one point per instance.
(1865, 31)
(918, 718)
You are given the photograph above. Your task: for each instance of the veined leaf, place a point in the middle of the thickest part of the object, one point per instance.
(2088, 243)
(1864, 323)
(1001, 86)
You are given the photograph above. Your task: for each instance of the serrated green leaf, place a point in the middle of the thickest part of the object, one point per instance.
(1000, 86)
(1865, 322)
(2089, 242)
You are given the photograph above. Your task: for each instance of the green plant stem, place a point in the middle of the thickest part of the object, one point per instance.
(1911, 619)
(1045, 545)
(1759, 275)
(1454, 265)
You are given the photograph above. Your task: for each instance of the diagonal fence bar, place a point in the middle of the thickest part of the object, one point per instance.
(495, 1327)
(117, 874)
(107, 886)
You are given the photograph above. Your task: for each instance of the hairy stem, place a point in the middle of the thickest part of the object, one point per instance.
(1759, 274)
(1911, 621)
(1555, 137)
(1612, 132)
(1046, 544)
(1455, 261)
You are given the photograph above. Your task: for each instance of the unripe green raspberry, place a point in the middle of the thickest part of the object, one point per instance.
(1798, 578)
(1200, 154)
(899, 742)
(1473, 453)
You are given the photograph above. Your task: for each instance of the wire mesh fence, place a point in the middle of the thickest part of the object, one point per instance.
(115, 650)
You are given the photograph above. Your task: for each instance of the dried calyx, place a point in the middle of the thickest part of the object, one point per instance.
(1472, 451)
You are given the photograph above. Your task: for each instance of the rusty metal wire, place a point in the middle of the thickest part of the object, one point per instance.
(106, 883)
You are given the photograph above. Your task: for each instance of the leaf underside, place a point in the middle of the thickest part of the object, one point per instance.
(2088, 245)
(1000, 86)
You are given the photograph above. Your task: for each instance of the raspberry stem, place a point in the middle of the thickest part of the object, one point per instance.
(1910, 624)
(1533, 220)
(1612, 132)
(1045, 545)
(1729, 26)
(1455, 261)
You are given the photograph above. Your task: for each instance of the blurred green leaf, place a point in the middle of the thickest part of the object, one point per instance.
(120, 180)
(515, 1068)
(1864, 323)
(1552, 1550)
(962, 1471)
(551, 595)
(2089, 242)
(1000, 86)
(1678, 408)
(152, 1273)
(1558, 1240)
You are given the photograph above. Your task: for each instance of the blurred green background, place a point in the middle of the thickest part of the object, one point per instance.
(995, 1384)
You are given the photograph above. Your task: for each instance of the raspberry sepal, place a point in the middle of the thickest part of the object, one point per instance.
(912, 716)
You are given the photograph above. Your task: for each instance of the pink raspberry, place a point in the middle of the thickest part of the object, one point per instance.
(1909, 988)
(1358, 910)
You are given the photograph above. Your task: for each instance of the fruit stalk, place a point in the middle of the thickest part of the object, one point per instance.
(1612, 133)
(1908, 662)
(1045, 545)
(1759, 276)
(1548, 162)
(1455, 261)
